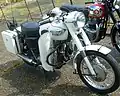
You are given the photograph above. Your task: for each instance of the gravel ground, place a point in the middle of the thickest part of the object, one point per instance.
(19, 79)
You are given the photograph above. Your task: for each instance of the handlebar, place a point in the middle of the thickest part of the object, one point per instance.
(45, 21)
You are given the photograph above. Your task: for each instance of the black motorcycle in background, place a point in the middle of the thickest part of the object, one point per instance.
(98, 15)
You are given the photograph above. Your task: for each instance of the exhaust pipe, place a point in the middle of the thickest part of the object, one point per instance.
(30, 61)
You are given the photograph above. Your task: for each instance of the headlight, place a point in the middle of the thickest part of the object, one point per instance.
(81, 20)
(76, 17)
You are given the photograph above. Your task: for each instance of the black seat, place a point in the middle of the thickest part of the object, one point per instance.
(30, 29)
(69, 8)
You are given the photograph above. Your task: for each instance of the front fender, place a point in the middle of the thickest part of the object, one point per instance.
(99, 48)
(102, 49)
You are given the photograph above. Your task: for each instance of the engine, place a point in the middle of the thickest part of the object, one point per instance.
(60, 54)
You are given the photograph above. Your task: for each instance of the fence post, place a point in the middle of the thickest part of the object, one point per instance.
(53, 3)
(39, 7)
(71, 2)
(28, 10)
(3, 13)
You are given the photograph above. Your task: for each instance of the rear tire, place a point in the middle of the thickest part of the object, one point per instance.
(100, 69)
(115, 42)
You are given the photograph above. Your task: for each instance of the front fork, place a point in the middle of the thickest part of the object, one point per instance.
(81, 49)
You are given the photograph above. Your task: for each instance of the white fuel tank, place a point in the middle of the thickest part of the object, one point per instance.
(11, 41)
(58, 30)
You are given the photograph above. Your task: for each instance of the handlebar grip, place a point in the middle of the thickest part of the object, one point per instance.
(45, 21)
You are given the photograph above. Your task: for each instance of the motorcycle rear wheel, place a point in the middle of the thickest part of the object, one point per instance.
(115, 37)
(105, 69)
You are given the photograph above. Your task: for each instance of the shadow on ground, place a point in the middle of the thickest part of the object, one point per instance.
(115, 54)
(26, 80)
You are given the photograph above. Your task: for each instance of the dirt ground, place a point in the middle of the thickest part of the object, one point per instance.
(19, 79)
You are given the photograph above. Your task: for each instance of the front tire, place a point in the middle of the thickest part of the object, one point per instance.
(104, 76)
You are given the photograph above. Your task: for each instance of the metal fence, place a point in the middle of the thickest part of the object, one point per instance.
(32, 9)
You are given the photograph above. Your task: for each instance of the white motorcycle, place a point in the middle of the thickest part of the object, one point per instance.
(51, 43)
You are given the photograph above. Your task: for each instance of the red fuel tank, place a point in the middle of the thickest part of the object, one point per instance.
(96, 10)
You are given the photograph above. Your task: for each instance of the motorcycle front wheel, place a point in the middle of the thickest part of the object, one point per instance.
(107, 77)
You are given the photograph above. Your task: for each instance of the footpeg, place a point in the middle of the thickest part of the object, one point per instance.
(75, 71)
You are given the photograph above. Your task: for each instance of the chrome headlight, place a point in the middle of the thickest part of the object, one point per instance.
(76, 17)
(81, 20)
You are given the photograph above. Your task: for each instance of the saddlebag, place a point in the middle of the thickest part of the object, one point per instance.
(11, 41)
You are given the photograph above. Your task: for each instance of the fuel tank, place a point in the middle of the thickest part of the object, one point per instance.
(96, 10)
(57, 30)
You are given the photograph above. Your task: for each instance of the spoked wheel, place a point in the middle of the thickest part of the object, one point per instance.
(116, 39)
(106, 69)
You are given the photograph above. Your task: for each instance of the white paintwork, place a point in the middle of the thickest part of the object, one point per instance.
(54, 28)
(56, 11)
(44, 48)
(75, 38)
(10, 42)
(80, 47)
(117, 7)
(46, 38)
(57, 27)
(76, 16)
(99, 48)
(69, 23)
(18, 28)
(85, 37)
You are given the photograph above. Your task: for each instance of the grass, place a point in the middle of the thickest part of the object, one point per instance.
(20, 11)
(3, 1)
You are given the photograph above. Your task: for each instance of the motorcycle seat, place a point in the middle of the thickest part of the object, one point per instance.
(69, 8)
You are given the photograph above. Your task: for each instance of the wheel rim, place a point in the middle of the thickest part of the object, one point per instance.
(103, 83)
(117, 39)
